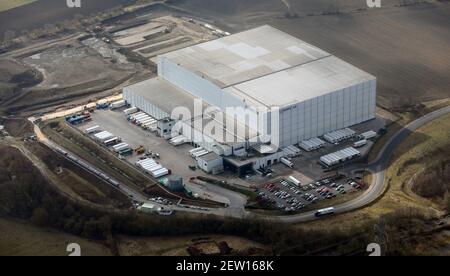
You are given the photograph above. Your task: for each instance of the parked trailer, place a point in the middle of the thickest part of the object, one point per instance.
(155, 167)
(192, 152)
(131, 110)
(92, 129)
(360, 143)
(126, 152)
(143, 118)
(118, 104)
(112, 141)
(151, 122)
(123, 147)
(200, 153)
(152, 167)
(368, 135)
(118, 145)
(289, 152)
(132, 116)
(295, 149)
(294, 180)
(102, 136)
(139, 122)
(312, 144)
(160, 173)
(106, 137)
(142, 122)
(148, 166)
(148, 126)
(179, 141)
(288, 163)
(145, 162)
(149, 118)
(102, 105)
(138, 116)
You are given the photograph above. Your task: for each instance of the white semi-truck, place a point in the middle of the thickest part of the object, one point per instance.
(360, 143)
(287, 162)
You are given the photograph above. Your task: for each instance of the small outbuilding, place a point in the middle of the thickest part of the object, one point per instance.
(211, 163)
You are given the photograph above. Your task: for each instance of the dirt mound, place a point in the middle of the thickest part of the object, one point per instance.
(14, 77)
(17, 127)
(27, 79)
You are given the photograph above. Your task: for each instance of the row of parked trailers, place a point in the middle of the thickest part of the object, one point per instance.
(198, 152)
(141, 119)
(110, 140)
(121, 147)
(292, 151)
(151, 167)
(103, 136)
(341, 156)
(312, 144)
(178, 140)
(118, 104)
(368, 135)
(339, 135)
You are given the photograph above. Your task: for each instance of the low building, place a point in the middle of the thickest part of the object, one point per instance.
(173, 183)
(211, 163)
(146, 207)
(341, 156)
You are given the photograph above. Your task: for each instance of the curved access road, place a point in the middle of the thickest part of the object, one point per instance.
(377, 168)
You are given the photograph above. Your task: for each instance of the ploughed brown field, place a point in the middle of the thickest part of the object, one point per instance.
(406, 48)
(41, 12)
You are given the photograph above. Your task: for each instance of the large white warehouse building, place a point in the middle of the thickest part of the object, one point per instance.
(262, 70)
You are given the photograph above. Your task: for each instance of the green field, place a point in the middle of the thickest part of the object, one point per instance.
(11, 4)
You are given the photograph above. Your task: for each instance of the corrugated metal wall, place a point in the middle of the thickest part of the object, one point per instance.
(317, 116)
(143, 104)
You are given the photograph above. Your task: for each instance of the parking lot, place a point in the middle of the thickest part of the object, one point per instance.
(174, 158)
(288, 197)
(306, 166)
(283, 194)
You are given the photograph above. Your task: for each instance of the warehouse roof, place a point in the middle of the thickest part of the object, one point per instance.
(300, 83)
(245, 56)
(167, 97)
(266, 67)
(164, 95)
(212, 156)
